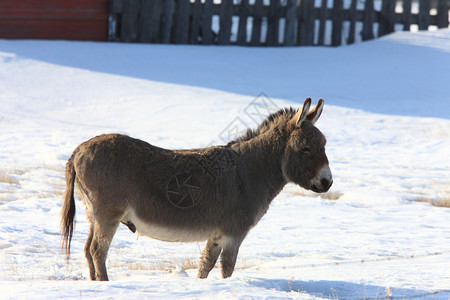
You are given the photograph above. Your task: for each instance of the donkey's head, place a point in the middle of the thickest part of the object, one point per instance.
(304, 161)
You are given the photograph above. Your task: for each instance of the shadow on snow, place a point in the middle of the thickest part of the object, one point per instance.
(345, 290)
(383, 76)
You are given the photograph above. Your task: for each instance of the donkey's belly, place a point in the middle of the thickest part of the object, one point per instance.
(164, 233)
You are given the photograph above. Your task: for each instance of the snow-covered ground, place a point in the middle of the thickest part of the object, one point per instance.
(375, 235)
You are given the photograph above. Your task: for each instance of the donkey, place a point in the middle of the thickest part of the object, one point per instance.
(216, 193)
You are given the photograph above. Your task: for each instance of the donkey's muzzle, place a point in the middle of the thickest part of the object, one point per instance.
(325, 185)
(323, 181)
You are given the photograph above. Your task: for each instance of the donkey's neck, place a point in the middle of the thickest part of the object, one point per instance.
(261, 161)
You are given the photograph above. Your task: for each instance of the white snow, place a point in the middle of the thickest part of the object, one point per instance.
(386, 118)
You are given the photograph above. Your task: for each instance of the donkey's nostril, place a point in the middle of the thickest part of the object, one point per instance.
(323, 181)
(326, 184)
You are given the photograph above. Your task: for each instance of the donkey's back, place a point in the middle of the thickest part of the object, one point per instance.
(135, 181)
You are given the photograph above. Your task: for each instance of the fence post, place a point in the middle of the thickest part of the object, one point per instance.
(322, 21)
(273, 22)
(115, 10)
(424, 14)
(242, 30)
(387, 17)
(406, 16)
(182, 22)
(167, 17)
(367, 32)
(207, 36)
(306, 23)
(149, 20)
(195, 22)
(351, 33)
(338, 19)
(289, 27)
(226, 9)
(144, 22)
(442, 13)
(130, 14)
(256, 26)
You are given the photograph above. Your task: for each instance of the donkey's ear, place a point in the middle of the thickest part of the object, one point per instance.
(300, 116)
(315, 113)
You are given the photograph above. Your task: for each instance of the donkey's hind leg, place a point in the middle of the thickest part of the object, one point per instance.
(101, 240)
(87, 250)
(209, 257)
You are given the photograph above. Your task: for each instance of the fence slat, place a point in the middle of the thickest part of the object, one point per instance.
(149, 20)
(116, 6)
(306, 23)
(181, 22)
(424, 14)
(256, 26)
(406, 16)
(387, 17)
(338, 19)
(130, 16)
(273, 23)
(206, 29)
(351, 32)
(289, 27)
(244, 12)
(226, 9)
(167, 17)
(323, 12)
(115, 10)
(144, 22)
(442, 13)
(367, 32)
(156, 21)
(197, 8)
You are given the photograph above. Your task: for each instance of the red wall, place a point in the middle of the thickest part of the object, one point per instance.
(54, 19)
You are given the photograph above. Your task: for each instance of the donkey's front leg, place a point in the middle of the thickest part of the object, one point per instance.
(229, 256)
(209, 257)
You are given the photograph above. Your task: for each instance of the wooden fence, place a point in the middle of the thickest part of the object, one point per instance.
(269, 22)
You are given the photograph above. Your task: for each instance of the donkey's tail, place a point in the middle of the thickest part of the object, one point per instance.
(68, 208)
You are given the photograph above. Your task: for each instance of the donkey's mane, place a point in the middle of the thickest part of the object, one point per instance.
(285, 113)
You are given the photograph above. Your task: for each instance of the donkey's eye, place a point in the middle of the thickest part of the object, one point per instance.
(306, 149)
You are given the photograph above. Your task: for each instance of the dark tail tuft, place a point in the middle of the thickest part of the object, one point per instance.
(68, 208)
